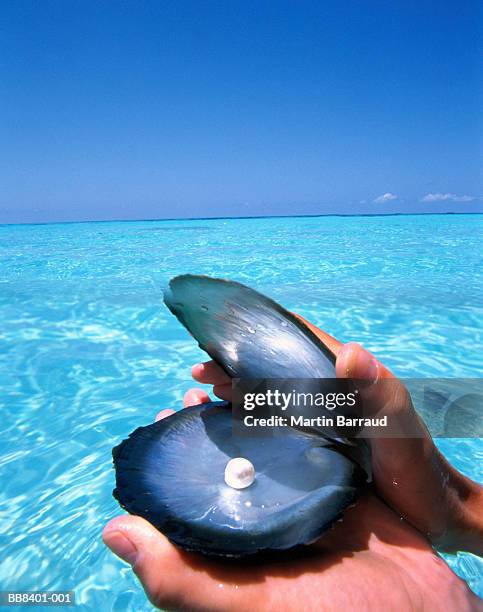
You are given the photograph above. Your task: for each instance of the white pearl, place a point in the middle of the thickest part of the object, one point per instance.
(239, 473)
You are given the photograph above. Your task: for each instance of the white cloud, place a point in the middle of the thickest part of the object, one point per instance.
(446, 197)
(385, 197)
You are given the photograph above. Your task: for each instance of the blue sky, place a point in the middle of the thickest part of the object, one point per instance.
(128, 110)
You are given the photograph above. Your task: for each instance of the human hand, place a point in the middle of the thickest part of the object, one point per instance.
(409, 473)
(371, 560)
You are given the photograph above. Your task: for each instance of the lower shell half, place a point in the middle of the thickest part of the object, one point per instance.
(172, 474)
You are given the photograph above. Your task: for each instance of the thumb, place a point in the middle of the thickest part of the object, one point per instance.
(156, 562)
(407, 463)
(355, 362)
(381, 391)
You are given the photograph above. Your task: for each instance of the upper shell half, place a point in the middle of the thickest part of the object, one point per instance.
(247, 333)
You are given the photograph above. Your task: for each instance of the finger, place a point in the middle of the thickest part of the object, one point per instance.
(353, 361)
(407, 463)
(209, 373)
(154, 559)
(174, 579)
(194, 397)
(383, 391)
(163, 414)
(224, 392)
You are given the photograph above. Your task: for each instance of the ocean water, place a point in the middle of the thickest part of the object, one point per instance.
(88, 352)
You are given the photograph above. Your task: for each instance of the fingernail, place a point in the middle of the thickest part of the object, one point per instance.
(121, 546)
(344, 357)
(360, 364)
(367, 367)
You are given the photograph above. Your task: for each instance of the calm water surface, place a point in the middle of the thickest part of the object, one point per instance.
(88, 353)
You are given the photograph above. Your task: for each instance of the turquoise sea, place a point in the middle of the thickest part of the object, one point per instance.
(88, 352)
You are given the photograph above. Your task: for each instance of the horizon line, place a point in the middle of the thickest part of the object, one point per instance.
(219, 218)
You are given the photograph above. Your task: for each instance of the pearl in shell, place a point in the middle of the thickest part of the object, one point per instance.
(239, 473)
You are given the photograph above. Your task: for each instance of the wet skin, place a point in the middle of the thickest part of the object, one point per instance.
(379, 557)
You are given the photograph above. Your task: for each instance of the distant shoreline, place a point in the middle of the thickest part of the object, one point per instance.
(421, 214)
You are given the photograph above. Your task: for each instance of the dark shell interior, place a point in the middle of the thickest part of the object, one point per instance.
(172, 472)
